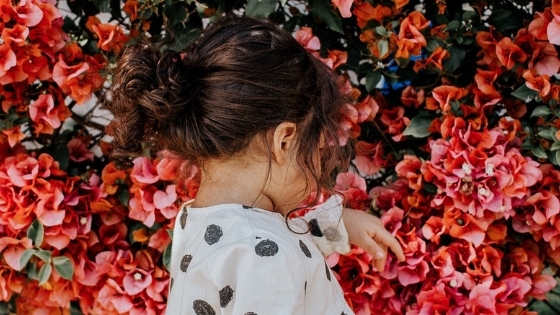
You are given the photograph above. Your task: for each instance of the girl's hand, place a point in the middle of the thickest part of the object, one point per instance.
(367, 232)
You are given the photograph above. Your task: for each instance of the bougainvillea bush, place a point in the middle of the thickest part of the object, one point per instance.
(454, 105)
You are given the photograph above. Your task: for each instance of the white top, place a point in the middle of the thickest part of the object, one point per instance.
(233, 259)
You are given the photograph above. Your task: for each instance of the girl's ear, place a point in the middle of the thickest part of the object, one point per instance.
(283, 141)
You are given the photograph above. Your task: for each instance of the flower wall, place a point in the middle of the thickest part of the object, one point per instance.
(454, 105)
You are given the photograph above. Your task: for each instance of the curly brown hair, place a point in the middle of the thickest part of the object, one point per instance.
(241, 78)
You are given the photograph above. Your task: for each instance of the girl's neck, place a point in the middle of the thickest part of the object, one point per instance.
(233, 181)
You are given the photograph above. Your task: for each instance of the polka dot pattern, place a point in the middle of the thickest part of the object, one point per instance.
(171, 284)
(314, 228)
(250, 313)
(183, 220)
(327, 269)
(185, 262)
(226, 295)
(266, 248)
(213, 234)
(201, 307)
(304, 249)
(332, 234)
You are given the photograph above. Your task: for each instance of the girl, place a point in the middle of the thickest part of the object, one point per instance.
(260, 117)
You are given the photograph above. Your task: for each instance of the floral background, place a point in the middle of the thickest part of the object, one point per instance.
(454, 104)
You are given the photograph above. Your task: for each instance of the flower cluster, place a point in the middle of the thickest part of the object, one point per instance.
(454, 107)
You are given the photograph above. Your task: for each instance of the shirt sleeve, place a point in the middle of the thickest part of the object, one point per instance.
(252, 277)
(327, 227)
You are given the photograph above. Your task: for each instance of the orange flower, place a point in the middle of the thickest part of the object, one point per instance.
(409, 29)
(439, 31)
(14, 135)
(337, 58)
(443, 96)
(401, 3)
(538, 27)
(540, 83)
(111, 176)
(412, 97)
(372, 41)
(46, 115)
(406, 47)
(131, 8)
(434, 62)
(418, 20)
(110, 37)
(509, 53)
(365, 12)
(8, 59)
(485, 80)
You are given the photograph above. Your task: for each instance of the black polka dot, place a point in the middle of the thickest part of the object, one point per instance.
(203, 308)
(226, 295)
(185, 263)
(305, 286)
(314, 228)
(328, 271)
(213, 234)
(266, 248)
(250, 313)
(304, 249)
(183, 220)
(171, 285)
(343, 313)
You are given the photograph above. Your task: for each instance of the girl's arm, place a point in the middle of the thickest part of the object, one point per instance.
(334, 228)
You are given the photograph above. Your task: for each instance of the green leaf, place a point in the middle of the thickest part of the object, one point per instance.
(553, 157)
(383, 46)
(60, 153)
(167, 257)
(260, 9)
(176, 13)
(541, 111)
(381, 30)
(452, 26)
(44, 255)
(418, 127)
(45, 273)
(36, 233)
(555, 146)
(430, 188)
(524, 92)
(322, 9)
(499, 16)
(31, 271)
(64, 267)
(557, 156)
(102, 5)
(545, 133)
(24, 259)
(123, 194)
(549, 306)
(538, 151)
(170, 233)
(372, 79)
(469, 15)
(456, 58)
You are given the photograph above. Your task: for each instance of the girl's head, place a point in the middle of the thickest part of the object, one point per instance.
(241, 80)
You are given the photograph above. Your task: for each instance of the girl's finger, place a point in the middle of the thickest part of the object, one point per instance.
(383, 236)
(374, 249)
(380, 263)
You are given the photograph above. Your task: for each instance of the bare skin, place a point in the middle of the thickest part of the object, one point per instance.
(243, 179)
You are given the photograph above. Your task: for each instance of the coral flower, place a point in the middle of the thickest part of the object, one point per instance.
(509, 53)
(344, 7)
(365, 12)
(541, 83)
(305, 37)
(443, 96)
(8, 59)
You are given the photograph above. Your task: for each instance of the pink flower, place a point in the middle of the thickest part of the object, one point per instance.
(136, 280)
(12, 249)
(44, 113)
(79, 151)
(353, 187)
(306, 38)
(369, 157)
(143, 171)
(344, 7)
